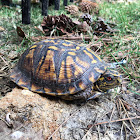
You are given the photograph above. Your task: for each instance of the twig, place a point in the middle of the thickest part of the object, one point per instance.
(107, 40)
(87, 132)
(118, 103)
(61, 125)
(5, 122)
(110, 118)
(128, 117)
(4, 61)
(109, 136)
(121, 131)
(128, 127)
(131, 105)
(120, 120)
(125, 130)
(118, 107)
(138, 138)
(99, 132)
(112, 113)
(123, 122)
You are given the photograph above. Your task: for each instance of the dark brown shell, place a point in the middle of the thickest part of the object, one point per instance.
(57, 67)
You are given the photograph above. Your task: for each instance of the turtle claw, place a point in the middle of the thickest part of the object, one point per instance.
(95, 95)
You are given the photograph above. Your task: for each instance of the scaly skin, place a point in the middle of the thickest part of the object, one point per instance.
(110, 79)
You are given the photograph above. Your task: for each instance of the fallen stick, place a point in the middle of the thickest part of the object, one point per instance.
(125, 119)
(128, 117)
(107, 40)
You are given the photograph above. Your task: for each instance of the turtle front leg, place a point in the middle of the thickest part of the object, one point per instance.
(95, 94)
(87, 94)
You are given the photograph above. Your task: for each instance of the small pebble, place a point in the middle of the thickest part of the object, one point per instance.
(8, 118)
(17, 135)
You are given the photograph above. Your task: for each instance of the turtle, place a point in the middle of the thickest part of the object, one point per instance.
(65, 69)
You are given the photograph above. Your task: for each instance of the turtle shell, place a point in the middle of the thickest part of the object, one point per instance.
(57, 67)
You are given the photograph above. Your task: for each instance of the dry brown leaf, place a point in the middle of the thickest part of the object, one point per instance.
(20, 32)
(1, 29)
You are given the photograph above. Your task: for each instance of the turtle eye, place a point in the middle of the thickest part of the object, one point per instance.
(109, 78)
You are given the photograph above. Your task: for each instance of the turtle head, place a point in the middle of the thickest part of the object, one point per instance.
(108, 80)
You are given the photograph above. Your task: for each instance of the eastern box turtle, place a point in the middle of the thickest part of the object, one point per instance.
(65, 69)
